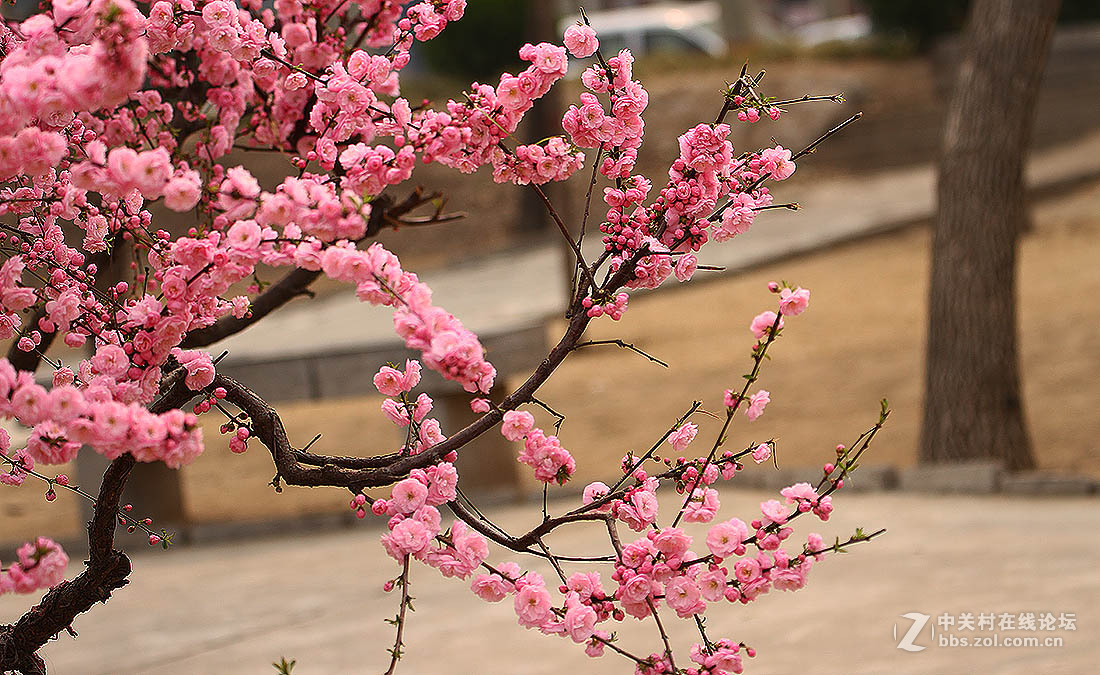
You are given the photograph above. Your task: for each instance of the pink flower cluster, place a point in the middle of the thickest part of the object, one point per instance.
(613, 307)
(638, 507)
(551, 462)
(619, 134)
(41, 565)
(585, 604)
(537, 163)
(807, 499)
(66, 417)
(414, 523)
(49, 74)
(544, 454)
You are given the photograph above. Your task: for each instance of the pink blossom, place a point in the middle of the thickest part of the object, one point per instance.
(746, 570)
(412, 374)
(408, 537)
(389, 381)
(682, 437)
(395, 412)
(762, 324)
(682, 594)
(702, 507)
(595, 491)
(580, 622)
(110, 360)
(777, 162)
(794, 302)
(712, 584)
(672, 541)
(686, 266)
(47, 444)
(200, 372)
(762, 453)
(408, 495)
(724, 539)
(580, 40)
(490, 587)
(774, 511)
(517, 424)
(585, 584)
(799, 491)
(757, 402)
(244, 234)
(533, 606)
(41, 564)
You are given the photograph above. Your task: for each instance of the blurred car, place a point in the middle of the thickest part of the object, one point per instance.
(660, 27)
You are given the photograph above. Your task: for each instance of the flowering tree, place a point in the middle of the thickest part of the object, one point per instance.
(105, 111)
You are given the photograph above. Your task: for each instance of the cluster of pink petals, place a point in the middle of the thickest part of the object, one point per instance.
(682, 437)
(538, 163)
(392, 382)
(41, 565)
(807, 499)
(614, 307)
(66, 417)
(551, 462)
(48, 75)
(793, 302)
(581, 41)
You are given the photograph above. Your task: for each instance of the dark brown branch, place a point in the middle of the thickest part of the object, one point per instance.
(107, 569)
(294, 284)
(624, 345)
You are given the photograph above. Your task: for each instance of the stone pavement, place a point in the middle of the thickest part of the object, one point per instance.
(525, 286)
(236, 607)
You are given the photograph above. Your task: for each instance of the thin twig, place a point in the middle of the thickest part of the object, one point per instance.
(624, 345)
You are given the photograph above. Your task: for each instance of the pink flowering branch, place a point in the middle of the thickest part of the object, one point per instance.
(132, 109)
(296, 282)
(406, 603)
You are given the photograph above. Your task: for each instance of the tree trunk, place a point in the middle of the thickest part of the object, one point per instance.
(973, 407)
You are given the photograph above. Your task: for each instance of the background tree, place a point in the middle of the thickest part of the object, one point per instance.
(973, 407)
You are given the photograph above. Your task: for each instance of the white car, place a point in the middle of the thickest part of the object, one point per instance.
(661, 27)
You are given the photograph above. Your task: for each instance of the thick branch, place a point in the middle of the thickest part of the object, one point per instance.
(107, 568)
(292, 285)
(107, 571)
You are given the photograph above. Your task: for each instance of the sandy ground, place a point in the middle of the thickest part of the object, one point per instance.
(235, 608)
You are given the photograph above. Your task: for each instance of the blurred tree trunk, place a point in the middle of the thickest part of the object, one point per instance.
(543, 120)
(973, 407)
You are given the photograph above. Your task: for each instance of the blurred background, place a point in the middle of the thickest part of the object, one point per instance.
(865, 242)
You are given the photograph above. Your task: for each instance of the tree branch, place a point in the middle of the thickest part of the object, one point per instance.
(107, 568)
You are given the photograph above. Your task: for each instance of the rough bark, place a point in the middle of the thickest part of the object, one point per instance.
(973, 405)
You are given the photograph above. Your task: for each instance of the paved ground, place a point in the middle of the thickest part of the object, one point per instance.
(235, 608)
(834, 210)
